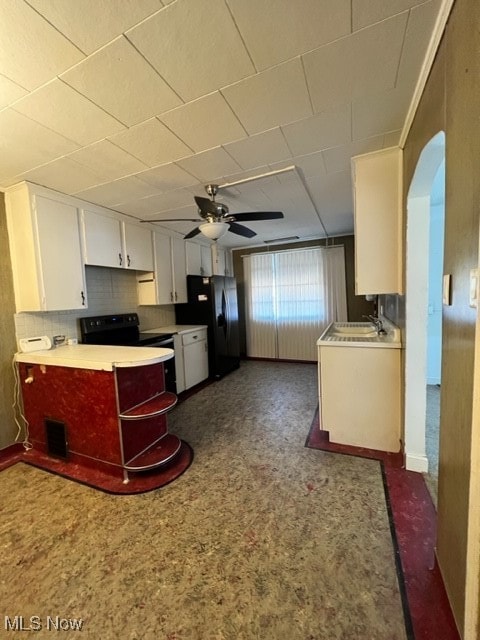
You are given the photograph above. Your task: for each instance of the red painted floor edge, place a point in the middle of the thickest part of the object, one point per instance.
(415, 522)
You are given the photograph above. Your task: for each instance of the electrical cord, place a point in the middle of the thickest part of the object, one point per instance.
(17, 410)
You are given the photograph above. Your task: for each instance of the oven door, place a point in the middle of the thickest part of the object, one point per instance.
(168, 365)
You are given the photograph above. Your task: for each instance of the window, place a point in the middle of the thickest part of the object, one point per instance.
(291, 296)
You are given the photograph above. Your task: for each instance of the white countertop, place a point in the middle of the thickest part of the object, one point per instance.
(99, 357)
(176, 328)
(351, 334)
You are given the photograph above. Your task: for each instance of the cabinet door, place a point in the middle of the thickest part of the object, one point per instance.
(179, 270)
(138, 247)
(206, 261)
(102, 240)
(62, 273)
(163, 269)
(378, 222)
(194, 258)
(195, 360)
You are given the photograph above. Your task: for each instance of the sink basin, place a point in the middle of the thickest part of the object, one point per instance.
(360, 334)
(354, 331)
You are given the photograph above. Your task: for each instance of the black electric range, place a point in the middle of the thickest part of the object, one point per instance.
(122, 330)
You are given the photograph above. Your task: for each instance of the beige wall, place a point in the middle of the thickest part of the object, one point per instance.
(357, 306)
(7, 335)
(451, 102)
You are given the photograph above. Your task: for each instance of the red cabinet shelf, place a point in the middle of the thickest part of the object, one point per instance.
(157, 454)
(155, 406)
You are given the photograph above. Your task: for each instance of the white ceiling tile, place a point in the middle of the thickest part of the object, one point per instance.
(90, 23)
(64, 175)
(421, 21)
(119, 80)
(9, 91)
(25, 144)
(356, 66)
(271, 98)
(367, 12)
(158, 203)
(380, 113)
(204, 123)
(108, 159)
(32, 50)
(311, 164)
(209, 165)
(196, 48)
(260, 149)
(276, 30)
(333, 197)
(328, 129)
(338, 158)
(113, 193)
(167, 177)
(64, 110)
(152, 143)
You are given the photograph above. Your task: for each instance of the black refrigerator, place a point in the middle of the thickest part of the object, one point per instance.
(213, 301)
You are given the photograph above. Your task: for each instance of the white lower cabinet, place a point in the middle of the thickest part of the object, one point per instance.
(45, 248)
(191, 358)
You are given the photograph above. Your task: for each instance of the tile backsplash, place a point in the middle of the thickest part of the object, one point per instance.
(108, 291)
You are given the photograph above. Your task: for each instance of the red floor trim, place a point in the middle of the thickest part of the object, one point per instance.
(415, 521)
(102, 480)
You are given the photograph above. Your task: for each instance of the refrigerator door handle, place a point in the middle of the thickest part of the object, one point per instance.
(227, 315)
(222, 318)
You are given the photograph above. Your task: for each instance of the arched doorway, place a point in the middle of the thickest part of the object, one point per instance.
(417, 301)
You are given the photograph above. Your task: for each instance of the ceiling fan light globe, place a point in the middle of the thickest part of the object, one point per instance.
(214, 230)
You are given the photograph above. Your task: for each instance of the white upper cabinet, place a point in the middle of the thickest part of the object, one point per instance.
(167, 284)
(194, 258)
(179, 270)
(108, 241)
(102, 239)
(377, 179)
(206, 261)
(138, 249)
(45, 248)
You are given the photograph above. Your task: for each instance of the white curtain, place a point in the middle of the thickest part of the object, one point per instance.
(291, 296)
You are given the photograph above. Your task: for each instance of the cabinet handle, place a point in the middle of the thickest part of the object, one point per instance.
(171, 296)
(83, 298)
(176, 296)
(194, 337)
(120, 260)
(128, 260)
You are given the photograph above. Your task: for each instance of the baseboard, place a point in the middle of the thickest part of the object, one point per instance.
(416, 463)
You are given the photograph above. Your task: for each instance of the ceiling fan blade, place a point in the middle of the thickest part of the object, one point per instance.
(206, 206)
(173, 220)
(240, 230)
(192, 233)
(258, 215)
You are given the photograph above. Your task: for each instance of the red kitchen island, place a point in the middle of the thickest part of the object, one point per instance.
(98, 414)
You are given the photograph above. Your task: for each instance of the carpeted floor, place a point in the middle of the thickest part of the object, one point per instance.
(261, 538)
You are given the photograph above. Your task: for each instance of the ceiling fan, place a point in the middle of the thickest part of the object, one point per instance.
(216, 220)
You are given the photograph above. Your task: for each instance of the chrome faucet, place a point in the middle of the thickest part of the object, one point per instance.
(377, 323)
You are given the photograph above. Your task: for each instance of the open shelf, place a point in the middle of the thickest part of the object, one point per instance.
(158, 453)
(155, 406)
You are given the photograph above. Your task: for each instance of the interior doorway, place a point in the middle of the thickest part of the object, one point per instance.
(425, 230)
